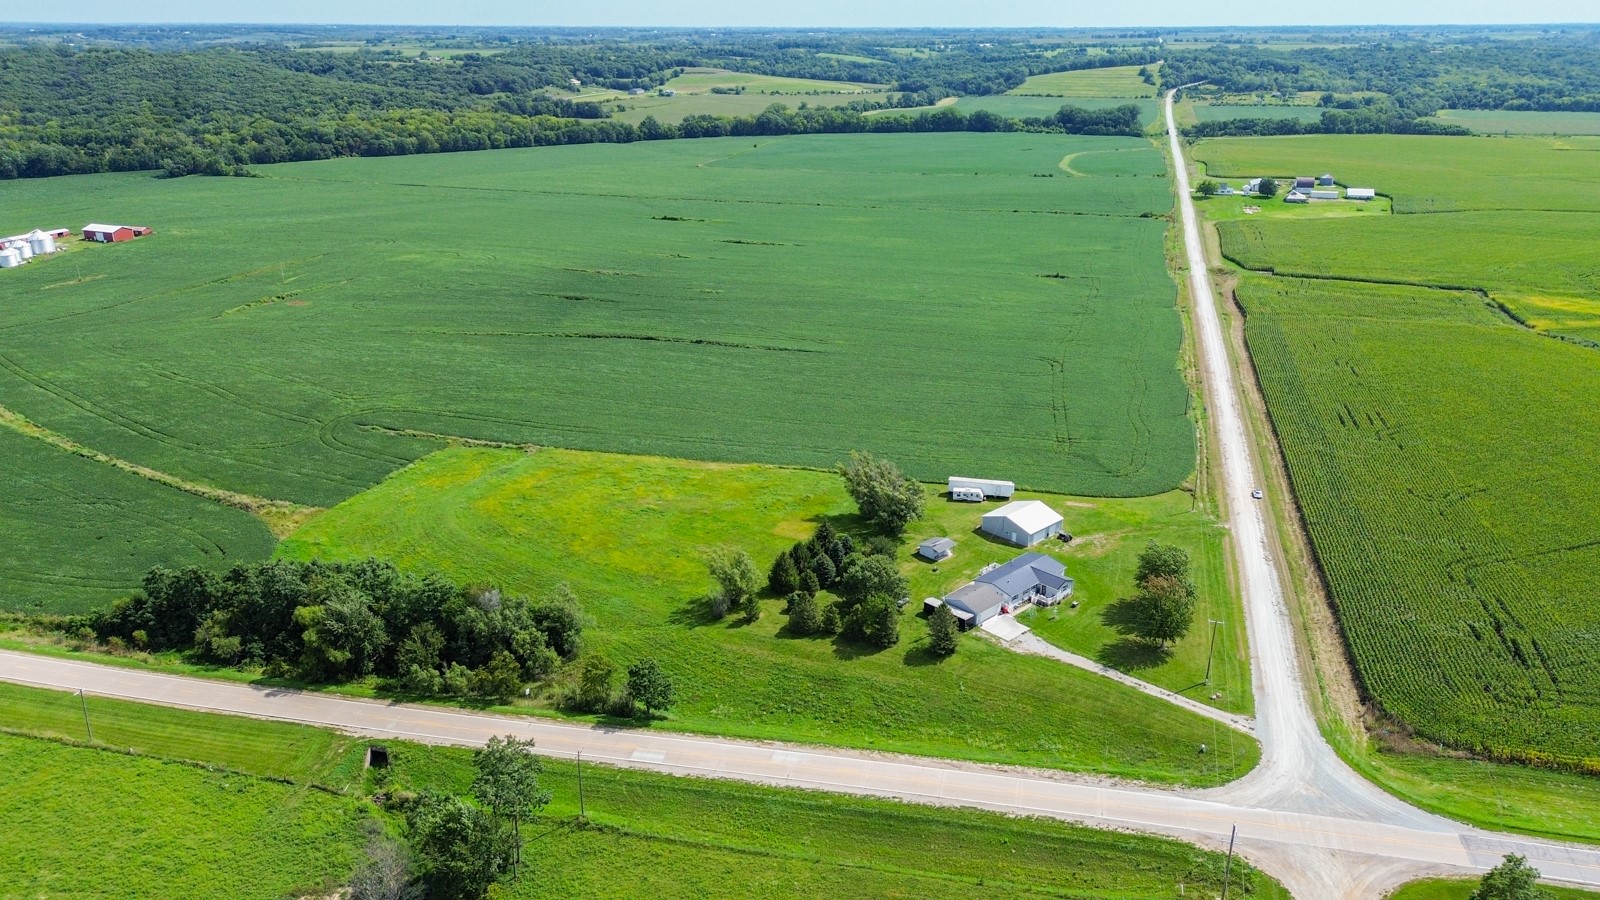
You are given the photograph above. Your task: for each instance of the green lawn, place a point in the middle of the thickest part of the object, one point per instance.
(649, 833)
(1115, 81)
(776, 300)
(1107, 538)
(623, 532)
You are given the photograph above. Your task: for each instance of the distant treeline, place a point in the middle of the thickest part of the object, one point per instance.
(229, 146)
(1421, 78)
(219, 110)
(1380, 119)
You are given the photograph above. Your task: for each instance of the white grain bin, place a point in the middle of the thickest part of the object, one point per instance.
(24, 250)
(41, 243)
(9, 259)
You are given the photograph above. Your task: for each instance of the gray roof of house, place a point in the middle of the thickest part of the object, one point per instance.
(937, 545)
(1024, 572)
(975, 598)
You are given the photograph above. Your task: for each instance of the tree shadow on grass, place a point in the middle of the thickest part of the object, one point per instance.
(849, 648)
(1130, 652)
(696, 613)
(920, 655)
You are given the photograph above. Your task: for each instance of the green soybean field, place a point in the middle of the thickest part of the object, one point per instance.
(297, 336)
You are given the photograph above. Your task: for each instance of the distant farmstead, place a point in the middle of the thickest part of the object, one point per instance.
(1024, 523)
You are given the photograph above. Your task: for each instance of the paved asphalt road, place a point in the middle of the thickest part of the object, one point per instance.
(1302, 815)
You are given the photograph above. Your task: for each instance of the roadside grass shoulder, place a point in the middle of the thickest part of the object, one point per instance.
(1461, 889)
(623, 532)
(89, 822)
(645, 832)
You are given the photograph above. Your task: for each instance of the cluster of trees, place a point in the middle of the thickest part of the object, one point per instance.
(333, 622)
(645, 687)
(868, 587)
(455, 846)
(1162, 609)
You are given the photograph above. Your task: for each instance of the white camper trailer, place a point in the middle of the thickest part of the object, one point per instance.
(990, 488)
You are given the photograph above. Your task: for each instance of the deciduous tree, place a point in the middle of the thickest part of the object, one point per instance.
(648, 685)
(1163, 609)
(1513, 879)
(886, 498)
(507, 784)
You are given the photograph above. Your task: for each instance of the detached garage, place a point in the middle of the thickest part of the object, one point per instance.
(1024, 523)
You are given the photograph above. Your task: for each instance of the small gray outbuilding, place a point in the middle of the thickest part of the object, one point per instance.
(935, 549)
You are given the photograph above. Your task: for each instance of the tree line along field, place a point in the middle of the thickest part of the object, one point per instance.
(624, 534)
(780, 300)
(648, 832)
(1452, 515)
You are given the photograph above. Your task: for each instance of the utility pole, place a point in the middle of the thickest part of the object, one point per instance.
(1227, 869)
(1213, 650)
(583, 814)
(85, 703)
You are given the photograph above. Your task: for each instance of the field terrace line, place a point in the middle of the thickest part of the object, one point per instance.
(1303, 815)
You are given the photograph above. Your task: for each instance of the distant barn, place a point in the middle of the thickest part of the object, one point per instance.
(107, 234)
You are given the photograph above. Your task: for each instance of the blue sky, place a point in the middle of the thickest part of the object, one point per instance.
(821, 13)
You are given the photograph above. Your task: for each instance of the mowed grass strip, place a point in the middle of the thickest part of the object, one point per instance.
(665, 835)
(775, 300)
(85, 822)
(79, 533)
(623, 532)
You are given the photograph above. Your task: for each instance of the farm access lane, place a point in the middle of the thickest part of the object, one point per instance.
(1280, 840)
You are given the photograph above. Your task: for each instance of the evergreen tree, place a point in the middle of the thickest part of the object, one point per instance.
(944, 632)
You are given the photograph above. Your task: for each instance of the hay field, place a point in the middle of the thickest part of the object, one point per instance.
(1113, 81)
(625, 533)
(781, 300)
(1501, 121)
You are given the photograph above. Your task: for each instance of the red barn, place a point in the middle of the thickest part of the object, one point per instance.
(107, 234)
